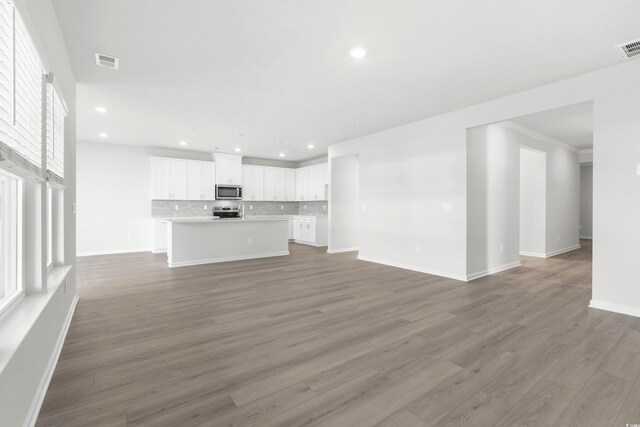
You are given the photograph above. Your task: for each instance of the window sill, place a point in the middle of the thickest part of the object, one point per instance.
(16, 323)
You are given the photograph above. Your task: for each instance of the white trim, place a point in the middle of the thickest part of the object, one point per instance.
(36, 404)
(533, 254)
(495, 270)
(226, 259)
(616, 308)
(587, 237)
(159, 251)
(413, 268)
(535, 135)
(338, 251)
(563, 250)
(112, 252)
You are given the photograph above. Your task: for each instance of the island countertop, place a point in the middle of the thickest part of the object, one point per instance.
(210, 220)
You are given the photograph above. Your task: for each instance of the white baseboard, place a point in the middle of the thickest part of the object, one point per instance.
(112, 252)
(413, 268)
(616, 308)
(587, 237)
(340, 250)
(226, 259)
(36, 404)
(563, 250)
(533, 254)
(159, 251)
(495, 270)
(302, 242)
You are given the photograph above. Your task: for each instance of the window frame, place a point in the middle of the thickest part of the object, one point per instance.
(12, 247)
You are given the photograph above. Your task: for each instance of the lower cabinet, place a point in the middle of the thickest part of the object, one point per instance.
(159, 243)
(310, 230)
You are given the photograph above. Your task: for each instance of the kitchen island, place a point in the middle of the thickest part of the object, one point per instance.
(194, 241)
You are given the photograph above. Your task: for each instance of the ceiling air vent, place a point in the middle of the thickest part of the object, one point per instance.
(629, 49)
(106, 61)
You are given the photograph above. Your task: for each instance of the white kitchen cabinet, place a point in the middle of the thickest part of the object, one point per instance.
(179, 179)
(274, 184)
(310, 183)
(200, 179)
(209, 180)
(297, 229)
(289, 184)
(228, 169)
(194, 180)
(160, 179)
(310, 230)
(290, 229)
(302, 184)
(253, 183)
(316, 182)
(159, 243)
(168, 179)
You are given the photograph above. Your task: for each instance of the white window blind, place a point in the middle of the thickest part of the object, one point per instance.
(21, 80)
(28, 95)
(6, 73)
(56, 113)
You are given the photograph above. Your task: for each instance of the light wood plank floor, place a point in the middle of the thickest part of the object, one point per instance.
(318, 339)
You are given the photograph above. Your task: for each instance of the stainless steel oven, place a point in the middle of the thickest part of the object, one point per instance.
(228, 192)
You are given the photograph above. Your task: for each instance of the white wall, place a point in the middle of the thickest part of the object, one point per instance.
(586, 201)
(114, 196)
(562, 188)
(533, 171)
(423, 164)
(493, 201)
(29, 364)
(345, 200)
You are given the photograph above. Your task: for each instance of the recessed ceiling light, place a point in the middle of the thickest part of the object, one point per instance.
(311, 146)
(101, 109)
(183, 142)
(239, 135)
(237, 149)
(281, 154)
(358, 52)
(104, 134)
(191, 128)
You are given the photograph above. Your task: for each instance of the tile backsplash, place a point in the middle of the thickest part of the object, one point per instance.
(187, 208)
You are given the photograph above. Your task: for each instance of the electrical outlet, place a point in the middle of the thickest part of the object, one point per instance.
(558, 237)
(447, 206)
(418, 248)
(502, 248)
(250, 207)
(129, 236)
(281, 207)
(305, 207)
(324, 207)
(73, 206)
(205, 207)
(176, 207)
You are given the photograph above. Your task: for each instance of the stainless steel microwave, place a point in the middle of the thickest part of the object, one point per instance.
(228, 192)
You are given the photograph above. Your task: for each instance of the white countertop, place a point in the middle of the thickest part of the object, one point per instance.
(208, 219)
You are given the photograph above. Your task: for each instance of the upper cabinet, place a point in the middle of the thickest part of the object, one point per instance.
(228, 169)
(179, 179)
(289, 185)
(168, 179)
(201, 180)
(310, 183)
(253, 183)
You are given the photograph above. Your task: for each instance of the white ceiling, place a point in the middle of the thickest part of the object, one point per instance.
(280, 69)
(572, 125)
